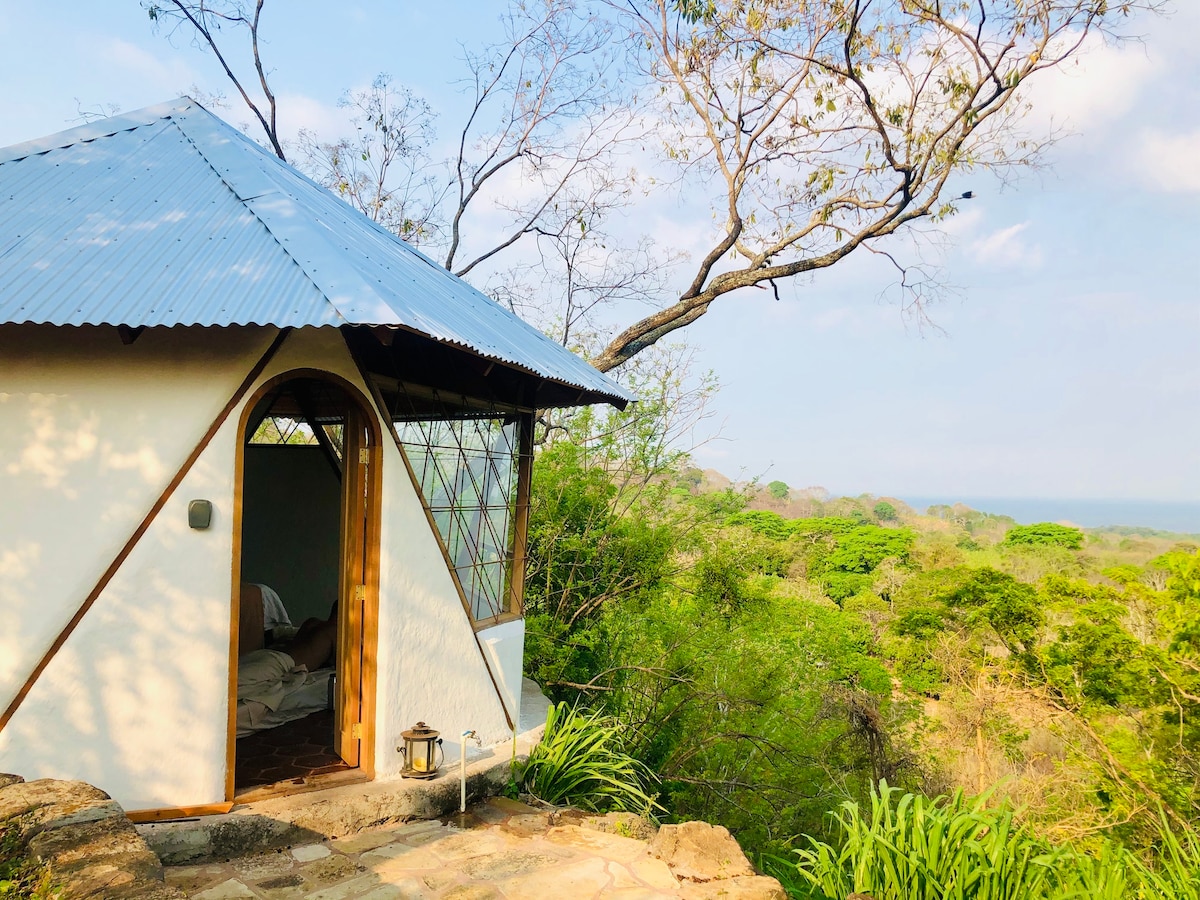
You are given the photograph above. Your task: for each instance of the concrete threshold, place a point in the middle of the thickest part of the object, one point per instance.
(311, 816)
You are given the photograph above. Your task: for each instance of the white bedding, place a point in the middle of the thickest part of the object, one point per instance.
(272, 691)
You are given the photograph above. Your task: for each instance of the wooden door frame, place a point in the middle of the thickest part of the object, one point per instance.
(371, 555)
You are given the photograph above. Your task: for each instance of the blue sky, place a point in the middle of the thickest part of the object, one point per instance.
(1065, 364)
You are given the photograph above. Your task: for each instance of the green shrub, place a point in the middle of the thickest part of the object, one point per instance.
(581, 762)
(1175, 873)
(1045, 534)
(913, 848)
(21, 877)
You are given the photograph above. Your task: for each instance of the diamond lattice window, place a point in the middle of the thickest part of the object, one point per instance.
(468, 474)
(470, 457)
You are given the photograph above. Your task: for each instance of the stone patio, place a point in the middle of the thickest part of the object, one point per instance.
(500, 849)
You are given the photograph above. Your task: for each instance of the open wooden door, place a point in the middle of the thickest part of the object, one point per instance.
(307, 520)
(356, 480)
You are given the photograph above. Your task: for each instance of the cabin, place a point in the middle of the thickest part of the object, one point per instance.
(264, 473)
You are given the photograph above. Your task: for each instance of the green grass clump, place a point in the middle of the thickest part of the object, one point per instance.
(21, 876)
(911, 847)
(581, 762)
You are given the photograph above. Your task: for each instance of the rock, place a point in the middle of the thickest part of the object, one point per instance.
(610, 846)
(624, 824)
(6, 779)
(49, 803)
(505, 864)
(743, 887)
(511, 807)
(697, 851)
(85, 840)
(527, 825)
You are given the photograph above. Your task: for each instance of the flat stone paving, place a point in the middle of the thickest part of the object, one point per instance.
(500, 849)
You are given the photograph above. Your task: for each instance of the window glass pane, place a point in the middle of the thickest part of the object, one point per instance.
(466, 468)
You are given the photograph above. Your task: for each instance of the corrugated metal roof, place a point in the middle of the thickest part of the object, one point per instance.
(169, 216)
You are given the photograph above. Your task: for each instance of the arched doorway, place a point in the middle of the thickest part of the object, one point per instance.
(305, 585)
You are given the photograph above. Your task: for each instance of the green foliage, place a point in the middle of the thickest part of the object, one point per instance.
(582, 551)
(1045, 534)
(865, 547)
(764, 522)
(1094, 658)
(581, 761)
(1012, 609)
(911, 848)
(884, 511)
(778, 490)
(1174, 873)
(21, 876)
(709, 629)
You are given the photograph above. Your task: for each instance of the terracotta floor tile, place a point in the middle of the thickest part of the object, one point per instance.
(294, 750)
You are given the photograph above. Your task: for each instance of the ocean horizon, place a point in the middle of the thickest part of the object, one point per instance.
(1182, 517)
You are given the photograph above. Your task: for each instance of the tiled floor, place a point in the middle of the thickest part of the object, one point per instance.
(295, 750)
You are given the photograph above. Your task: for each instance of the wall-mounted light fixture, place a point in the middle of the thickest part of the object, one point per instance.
(199, 514)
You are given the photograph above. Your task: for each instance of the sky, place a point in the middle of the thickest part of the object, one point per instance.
(1064, 362)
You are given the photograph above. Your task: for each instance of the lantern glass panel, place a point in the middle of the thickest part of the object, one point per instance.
(421, 755)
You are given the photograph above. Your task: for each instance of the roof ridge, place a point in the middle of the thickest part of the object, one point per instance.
(90, 131)
(258, 192)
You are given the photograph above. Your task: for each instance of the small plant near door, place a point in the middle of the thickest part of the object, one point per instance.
(581, 762)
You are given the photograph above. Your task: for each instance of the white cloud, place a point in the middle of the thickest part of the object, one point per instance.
(168, 76)
(1170, 162)
(297, 111)
(1006, 248)
(1094, 88)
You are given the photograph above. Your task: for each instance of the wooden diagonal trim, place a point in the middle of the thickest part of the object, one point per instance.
(141, 529)
(462, 594)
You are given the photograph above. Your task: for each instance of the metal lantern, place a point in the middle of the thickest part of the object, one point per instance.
(420, 744)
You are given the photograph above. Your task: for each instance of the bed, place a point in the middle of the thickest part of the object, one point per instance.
(271, 689)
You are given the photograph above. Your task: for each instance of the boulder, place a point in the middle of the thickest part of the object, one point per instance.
(743, 887)
(698, 851)
(85, 839)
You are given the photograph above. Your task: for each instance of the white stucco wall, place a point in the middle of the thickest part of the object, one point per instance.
(505, 646)
(91, 432)
(136, 701)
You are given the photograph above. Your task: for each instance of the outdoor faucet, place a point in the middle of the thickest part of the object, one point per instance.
(462, 766)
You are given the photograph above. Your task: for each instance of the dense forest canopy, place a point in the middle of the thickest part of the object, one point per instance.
(770, 666)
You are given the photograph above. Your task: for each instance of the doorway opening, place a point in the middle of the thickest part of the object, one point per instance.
(306, 574)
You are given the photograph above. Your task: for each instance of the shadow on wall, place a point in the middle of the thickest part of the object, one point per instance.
(118, 705)
(135, 702)
(71, 501)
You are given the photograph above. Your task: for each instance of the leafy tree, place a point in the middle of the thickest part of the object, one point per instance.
(786, 118)
(803, 151)
(582, 552)
(1012, 609)
(1044, 534)
(764, 522)
(1096, 659)
(778, 490)
(884, 511)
